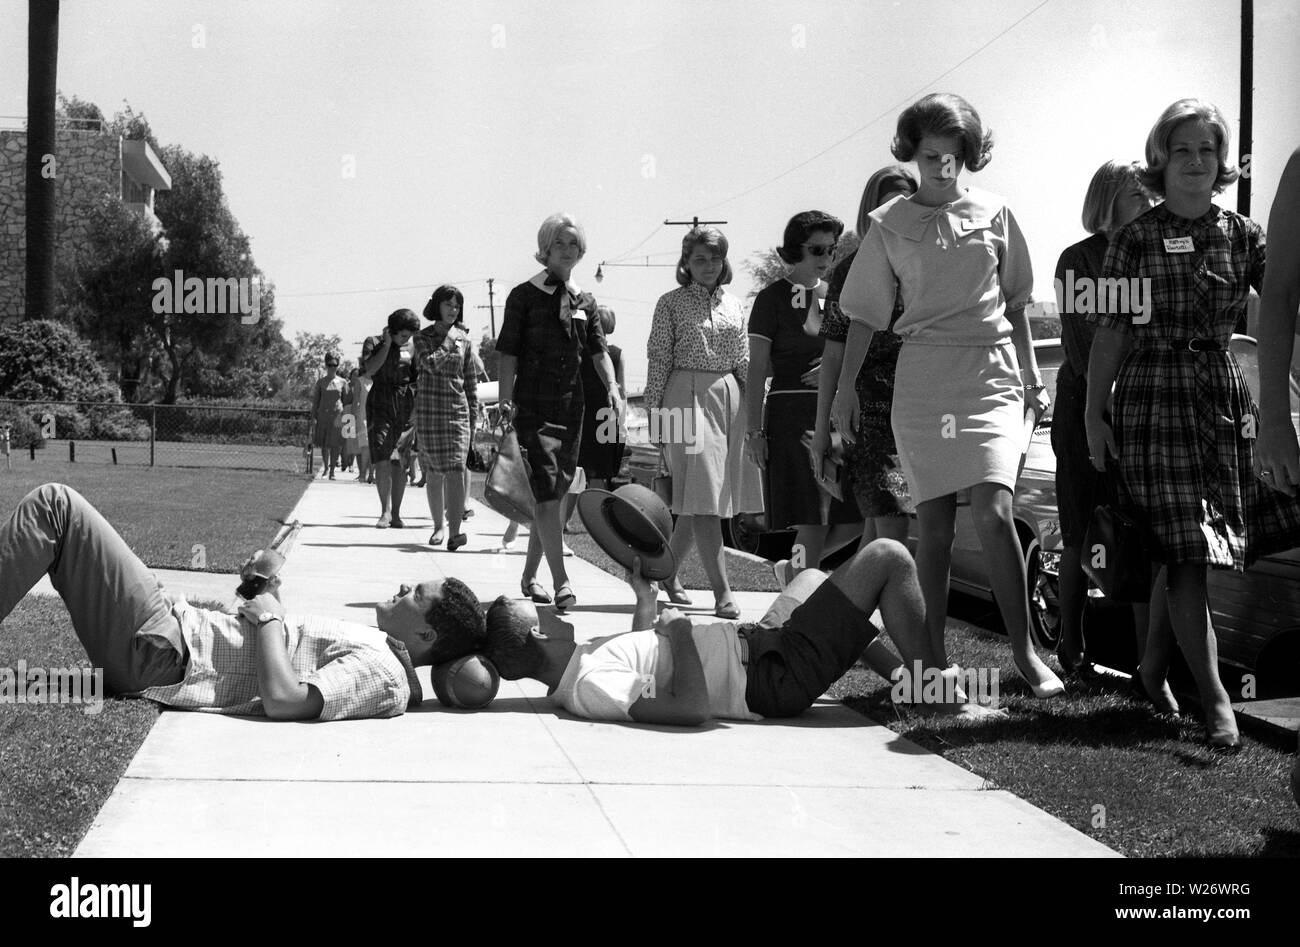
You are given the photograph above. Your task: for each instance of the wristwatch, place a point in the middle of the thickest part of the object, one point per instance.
(266, 617)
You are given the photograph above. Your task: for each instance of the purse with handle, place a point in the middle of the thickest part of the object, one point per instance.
(1117, 548)
(508, 488)
(662, 484)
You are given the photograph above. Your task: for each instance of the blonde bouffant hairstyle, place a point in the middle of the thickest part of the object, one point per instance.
(1157, 151)
(550, 230)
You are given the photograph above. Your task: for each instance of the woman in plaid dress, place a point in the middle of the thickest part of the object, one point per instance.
(1184, 418)
(446, 405)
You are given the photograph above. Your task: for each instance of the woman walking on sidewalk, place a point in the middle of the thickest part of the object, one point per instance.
(546, 333)
(446, 407)
(386, 358)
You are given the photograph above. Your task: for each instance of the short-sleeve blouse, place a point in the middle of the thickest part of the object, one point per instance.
(959, 266)
(777, 317)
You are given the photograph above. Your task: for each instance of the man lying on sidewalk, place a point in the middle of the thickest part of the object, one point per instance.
(261, 661)
(674, 672)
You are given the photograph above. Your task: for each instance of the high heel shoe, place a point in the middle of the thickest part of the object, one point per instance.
(456, 541)
(564, 597)
(727, 610)
(435, 538)
(533, 589)
(676, 595)
(1051, 687)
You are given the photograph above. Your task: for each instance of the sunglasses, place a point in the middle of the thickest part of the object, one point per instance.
(820, 249)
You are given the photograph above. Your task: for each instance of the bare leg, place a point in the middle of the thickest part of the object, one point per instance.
(399, 487)
(1189, 613)
(883, 575)
(936, 522)
(991, 511)
(547, 528)
(455, 493)
(682, 540)
(708, 536)
(433, 493)
(533, 558)
(384, 484)
(1155, 637)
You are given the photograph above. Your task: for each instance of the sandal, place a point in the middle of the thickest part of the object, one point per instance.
(533, 589)
(564, 597)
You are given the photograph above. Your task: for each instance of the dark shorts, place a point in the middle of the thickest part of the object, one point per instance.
(799, 650)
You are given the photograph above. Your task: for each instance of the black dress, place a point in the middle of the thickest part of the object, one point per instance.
(548, 386)
(794, 499)
(600, 457)
(390, 401)
(1078, 483)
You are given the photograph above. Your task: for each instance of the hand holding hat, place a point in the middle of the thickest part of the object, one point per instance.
(632, 525)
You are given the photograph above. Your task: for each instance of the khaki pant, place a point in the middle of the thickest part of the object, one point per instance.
(118, 608)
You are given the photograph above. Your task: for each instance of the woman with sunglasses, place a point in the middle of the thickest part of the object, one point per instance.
(785, 341)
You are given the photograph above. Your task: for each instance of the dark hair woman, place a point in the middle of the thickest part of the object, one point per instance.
(387, 359)
(446, 407)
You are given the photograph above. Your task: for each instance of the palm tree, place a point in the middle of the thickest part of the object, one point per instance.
(42, 80)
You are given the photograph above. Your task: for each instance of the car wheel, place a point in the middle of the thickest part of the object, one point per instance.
(1042, 578)
(745, 533)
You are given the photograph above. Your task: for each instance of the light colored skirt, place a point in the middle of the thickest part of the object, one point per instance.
(702, 425)
(958, 416)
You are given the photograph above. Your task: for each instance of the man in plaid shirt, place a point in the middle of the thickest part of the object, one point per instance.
(260, 661)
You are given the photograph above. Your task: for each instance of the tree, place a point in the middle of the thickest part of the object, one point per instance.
(41, 199)
(487, 354)
(310, 349)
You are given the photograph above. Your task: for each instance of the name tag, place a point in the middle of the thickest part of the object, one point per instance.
(971, 224)
(1179, 245)
(579, 314)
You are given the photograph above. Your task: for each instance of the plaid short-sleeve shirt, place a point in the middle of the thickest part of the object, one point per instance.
(353, 666)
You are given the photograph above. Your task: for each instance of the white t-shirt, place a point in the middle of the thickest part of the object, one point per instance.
(606, 676)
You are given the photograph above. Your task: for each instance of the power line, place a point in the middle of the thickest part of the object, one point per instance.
(904, 101)
(385, 289)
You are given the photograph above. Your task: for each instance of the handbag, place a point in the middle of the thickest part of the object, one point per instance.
(1117, 546)
(828, 470)
(662, 482)
(508, 488)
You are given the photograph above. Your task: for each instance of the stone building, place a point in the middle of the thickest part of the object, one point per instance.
(91, 162)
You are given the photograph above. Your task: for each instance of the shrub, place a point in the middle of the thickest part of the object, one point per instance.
(23, 432)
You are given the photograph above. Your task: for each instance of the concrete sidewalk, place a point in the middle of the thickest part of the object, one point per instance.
(521, 778)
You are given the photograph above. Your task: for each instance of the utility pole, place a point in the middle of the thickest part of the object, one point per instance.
(693, 222)
(491, 307)
(1247, 91)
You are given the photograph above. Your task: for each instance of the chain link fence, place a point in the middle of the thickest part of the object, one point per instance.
(247, 437)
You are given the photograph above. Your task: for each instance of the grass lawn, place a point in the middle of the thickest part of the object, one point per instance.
(59, 762)
(164, 512)
(1103, 762)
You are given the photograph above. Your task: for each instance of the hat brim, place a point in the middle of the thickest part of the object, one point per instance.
(595, 508)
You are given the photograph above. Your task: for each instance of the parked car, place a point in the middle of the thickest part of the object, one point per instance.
(1256, 613)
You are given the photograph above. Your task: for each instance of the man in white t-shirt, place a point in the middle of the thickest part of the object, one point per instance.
(671, 670)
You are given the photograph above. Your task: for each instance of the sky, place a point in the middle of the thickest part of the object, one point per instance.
(374, 150)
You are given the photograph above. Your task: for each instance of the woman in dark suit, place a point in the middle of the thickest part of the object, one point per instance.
(545, 335)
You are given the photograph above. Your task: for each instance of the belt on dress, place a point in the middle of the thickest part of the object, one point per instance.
(1195, 345)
